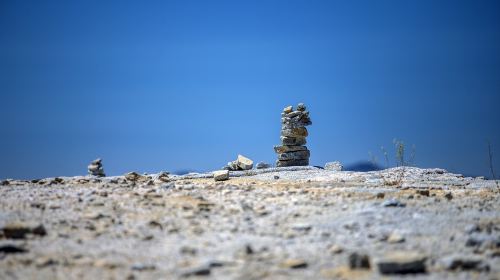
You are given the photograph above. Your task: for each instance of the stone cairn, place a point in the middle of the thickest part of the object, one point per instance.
(95, 168)
(292, 151)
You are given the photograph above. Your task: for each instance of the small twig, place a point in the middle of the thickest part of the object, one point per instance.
(490, 157)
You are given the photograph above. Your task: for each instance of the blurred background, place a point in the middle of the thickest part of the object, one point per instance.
(188, 85)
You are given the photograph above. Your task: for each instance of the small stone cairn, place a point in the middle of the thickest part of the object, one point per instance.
(95, 168)
(292, 151)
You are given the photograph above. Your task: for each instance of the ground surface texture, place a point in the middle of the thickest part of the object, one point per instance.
(280, 223)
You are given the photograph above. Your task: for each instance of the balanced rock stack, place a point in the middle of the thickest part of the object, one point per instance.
(95, 168)
(292, 151)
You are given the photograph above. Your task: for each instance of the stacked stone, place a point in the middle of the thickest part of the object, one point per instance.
(95, 168)
(292, 151)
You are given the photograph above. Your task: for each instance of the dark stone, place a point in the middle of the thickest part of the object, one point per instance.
(11, 249)
(359, 261)
(402, 263)
(197, 271)
(393, 203)
(465, 263)
(423, 192)
(285, 163)
(448, 196)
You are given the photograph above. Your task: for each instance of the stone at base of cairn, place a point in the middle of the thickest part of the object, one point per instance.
(286, 163)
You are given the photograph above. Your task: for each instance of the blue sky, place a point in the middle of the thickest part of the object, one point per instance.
(172, 85)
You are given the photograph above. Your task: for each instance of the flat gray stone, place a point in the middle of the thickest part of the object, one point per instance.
(298, 155)
(285, 163)
(293, 141)
(294, 132)
(286, 149)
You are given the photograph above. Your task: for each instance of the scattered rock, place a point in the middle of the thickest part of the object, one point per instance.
(11, 249)
(393, 203)
(460, 262)
(244, 163)
(221, 175)
(359, 261)
(336, 249)
(380, 195)
(203, 270)
(163, 177)
(301, 227)
(472, 228)
(241, 163)
(395, 238)
(45, 261)
(20, 230)
(400, 262)
(423, 192)
(294, 263)
(95, 168)
(132, 176)
(448, 196)
(485, 240)
(262, 165)
(334, 166)
(143, 267)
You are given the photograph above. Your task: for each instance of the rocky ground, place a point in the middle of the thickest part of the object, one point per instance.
(279, 223)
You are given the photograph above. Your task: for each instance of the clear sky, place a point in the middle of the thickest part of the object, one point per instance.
(172, 85)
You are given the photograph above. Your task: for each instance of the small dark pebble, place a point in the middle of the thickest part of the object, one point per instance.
(448, 196)
(423, 192)
(11, 249)
(359, 261)
(393, 203)
(198, 271)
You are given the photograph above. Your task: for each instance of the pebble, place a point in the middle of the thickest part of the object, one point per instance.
(395, 238)
(423, 192)
(221, 175)
(301, 227)
(393, 203)
(263, 165)
(336, 249)
(244, 163)
(20, 230)
(142, 267)
(380, 195)
(402, 262)
(359, 261)
(203, 270)
(448, 196)
(11, 249)
(294, 263)
(461, 262)
(334, 166)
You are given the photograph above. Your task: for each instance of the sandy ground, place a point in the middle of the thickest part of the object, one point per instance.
(302, 223)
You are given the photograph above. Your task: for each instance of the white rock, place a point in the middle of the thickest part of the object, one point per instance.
(221, 175)
(244, 162)
(334, 166)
